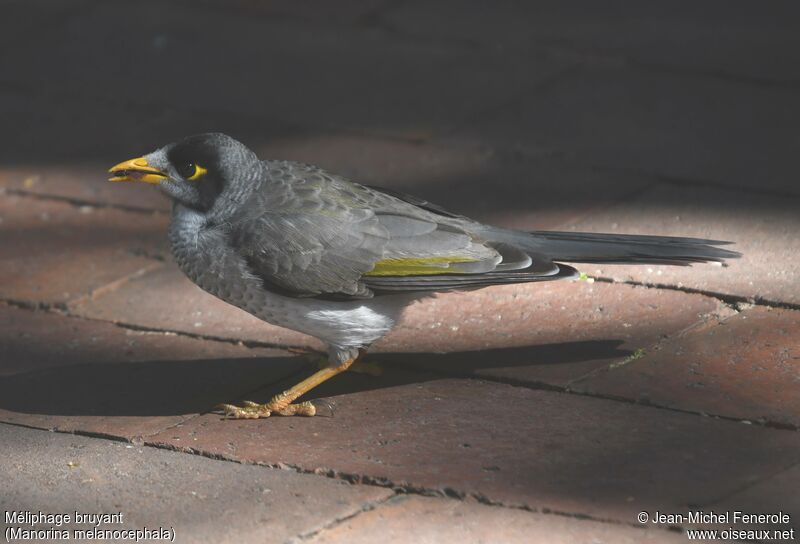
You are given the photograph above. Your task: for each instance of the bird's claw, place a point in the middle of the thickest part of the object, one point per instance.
(253, 410)
(248, 410)
(299, 409)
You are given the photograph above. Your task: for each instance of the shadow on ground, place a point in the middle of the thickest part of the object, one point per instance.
(159, 388)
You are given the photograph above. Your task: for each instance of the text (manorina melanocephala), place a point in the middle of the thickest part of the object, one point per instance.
(309, 250)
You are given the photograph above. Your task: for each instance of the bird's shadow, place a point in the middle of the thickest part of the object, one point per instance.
(165, 387)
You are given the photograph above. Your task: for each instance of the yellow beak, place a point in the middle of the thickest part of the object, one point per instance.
(136, 170)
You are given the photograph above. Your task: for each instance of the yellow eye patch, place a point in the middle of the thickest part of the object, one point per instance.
(198, 171)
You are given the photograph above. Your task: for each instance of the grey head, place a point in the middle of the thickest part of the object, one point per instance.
(206, 172)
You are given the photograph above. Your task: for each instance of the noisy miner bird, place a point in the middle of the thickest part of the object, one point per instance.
(308, 250)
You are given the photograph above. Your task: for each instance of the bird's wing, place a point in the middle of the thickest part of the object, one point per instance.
(309, 233)
(304, 236)
(432, 249)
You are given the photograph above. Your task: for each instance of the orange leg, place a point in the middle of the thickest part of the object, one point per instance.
(281, 404)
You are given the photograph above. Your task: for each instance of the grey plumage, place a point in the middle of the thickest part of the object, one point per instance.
(310, 233)
(310, 250)
(304, 232)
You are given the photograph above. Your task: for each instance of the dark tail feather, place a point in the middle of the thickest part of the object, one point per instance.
(584, 247)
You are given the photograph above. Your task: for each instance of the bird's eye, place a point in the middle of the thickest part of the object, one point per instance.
(189, 170)
(186, 169)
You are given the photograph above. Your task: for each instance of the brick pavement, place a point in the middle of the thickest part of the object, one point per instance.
(537, 413)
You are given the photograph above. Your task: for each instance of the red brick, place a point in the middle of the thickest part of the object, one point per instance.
(420, 519)
(538, 332)
(514, 445)
(72, 374)
(55, 252)
(770, 496)
(762, 227)
(747, 367)
(83, 183)
(203, 500)
(166, 299)
(541, 332)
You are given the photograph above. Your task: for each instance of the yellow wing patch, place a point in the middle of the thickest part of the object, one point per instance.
(424, 266)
